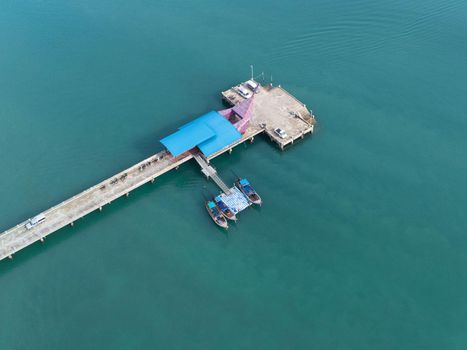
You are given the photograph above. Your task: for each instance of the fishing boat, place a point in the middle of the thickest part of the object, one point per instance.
(244, 186)
(216, 215)
(224, 208)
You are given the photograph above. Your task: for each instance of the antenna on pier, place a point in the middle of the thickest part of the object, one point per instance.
(252, 75)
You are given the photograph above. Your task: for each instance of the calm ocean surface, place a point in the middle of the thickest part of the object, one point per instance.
(362, 239)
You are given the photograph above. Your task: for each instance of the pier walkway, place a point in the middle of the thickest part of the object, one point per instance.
(210, 172)
(94, 198)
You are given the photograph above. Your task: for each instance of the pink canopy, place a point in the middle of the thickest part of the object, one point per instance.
(240, 114)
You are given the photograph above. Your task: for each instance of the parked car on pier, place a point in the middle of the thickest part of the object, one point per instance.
(36, 220)
(252, 85)
(243, 91)
(281, 133)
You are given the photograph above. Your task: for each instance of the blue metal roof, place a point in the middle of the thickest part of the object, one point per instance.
(211, 132)
(187, 138)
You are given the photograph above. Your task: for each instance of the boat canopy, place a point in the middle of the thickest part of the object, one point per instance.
(211, 205)
(244, 182)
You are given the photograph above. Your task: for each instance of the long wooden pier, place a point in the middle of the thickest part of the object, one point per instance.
(274, 107)
(94, 198)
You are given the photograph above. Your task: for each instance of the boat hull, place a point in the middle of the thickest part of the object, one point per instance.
(224, 209)
(232, 217)
(219, 220)
(253, 198)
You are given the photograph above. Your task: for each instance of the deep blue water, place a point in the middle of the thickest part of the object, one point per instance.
(361, 242)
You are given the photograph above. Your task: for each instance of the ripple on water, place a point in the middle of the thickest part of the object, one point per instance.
(362, 30)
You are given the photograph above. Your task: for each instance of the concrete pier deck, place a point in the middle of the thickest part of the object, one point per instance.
(94, 198)
(273, 108)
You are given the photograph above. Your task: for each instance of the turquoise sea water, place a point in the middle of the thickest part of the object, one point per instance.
(362, 239)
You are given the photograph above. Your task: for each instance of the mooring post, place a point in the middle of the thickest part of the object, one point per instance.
(230, 151)
(252, 139)
(100, 208)
(176, 168)
(42, 239)
(153, 179)
(10, 257)
(72, 223)
(127, 194)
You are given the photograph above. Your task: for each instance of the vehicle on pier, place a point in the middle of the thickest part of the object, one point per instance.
(252, 85)
(243, 91)
(225, 209)
(245, 186)
(281, 133)
(36, 220)
(216, 214)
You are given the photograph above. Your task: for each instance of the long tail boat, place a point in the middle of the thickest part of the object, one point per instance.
(216, 214)
(225, 210)
(244, 186)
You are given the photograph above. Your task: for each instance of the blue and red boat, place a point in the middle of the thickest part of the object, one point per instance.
(216, 214)
(245, 186)
(225, 209)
